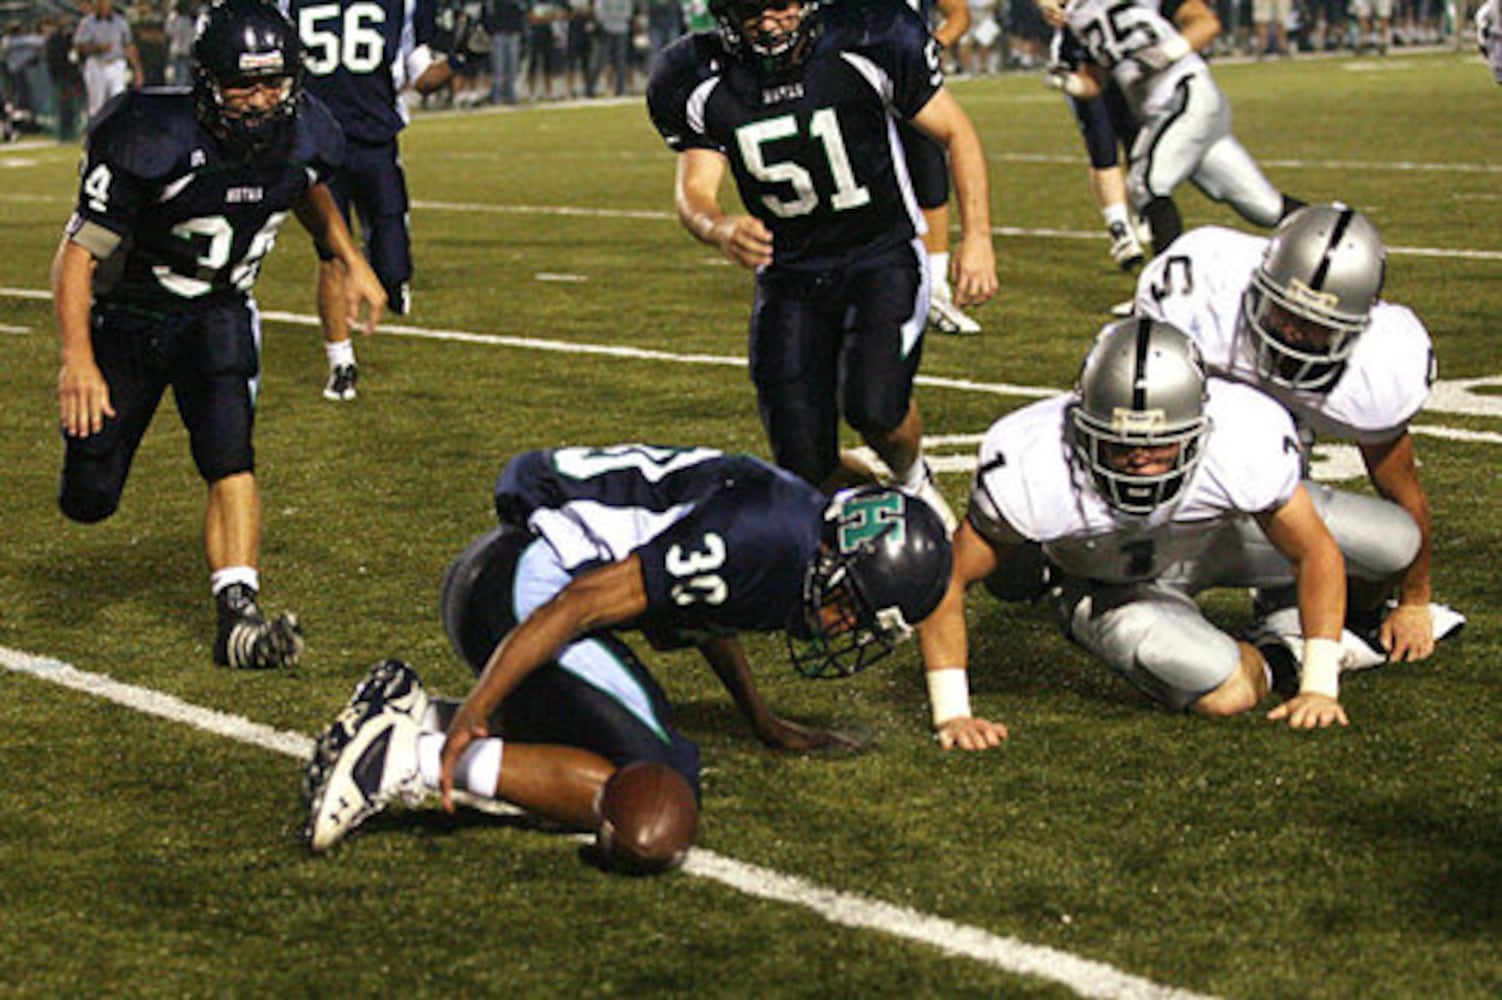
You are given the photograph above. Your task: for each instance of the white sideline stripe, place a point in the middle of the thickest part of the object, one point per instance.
(645, 354)
(1087, 978)
(164, 706)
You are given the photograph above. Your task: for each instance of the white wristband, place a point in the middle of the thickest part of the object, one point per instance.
(1320, 673)
(949, 694)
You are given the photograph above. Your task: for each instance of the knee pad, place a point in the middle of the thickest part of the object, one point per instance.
(87, 506)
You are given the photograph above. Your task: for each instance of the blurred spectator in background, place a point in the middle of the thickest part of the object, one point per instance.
(577, 44)
(105, 44)
(612, 44)
(977, 49)
(1365, 11)
(180, 28)
(505, 20)
(664, 23)
(1271, 20)
(25, 80)
(67, 81)
(543, 51)
(150, 26)
(696, 16)
(1489, 35)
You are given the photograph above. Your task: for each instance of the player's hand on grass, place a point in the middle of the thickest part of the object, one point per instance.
(1408, 633)
(1310, 711)
(970, 733)
(783, 734)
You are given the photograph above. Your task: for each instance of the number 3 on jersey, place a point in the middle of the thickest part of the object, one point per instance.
(697, 583)
(824, 125)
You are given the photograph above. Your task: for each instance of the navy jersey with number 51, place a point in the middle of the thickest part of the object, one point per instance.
(815, 155)
(724, 540)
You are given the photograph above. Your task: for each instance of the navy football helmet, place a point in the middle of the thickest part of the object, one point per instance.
(243, 43)
(772, 55)
(882, 568)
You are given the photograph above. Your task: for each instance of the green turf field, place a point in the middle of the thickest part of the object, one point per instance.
(147, 856)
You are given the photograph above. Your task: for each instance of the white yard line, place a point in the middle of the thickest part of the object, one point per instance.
(1086, 977)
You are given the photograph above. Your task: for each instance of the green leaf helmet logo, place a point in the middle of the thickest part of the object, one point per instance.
(871, 516)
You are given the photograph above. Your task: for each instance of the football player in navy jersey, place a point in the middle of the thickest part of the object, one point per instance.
(358, 56)
(182, 195)
(800, 102)
(690, 546)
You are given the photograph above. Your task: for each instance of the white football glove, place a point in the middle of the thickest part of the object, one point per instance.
(1163, 55)
(1062, 79)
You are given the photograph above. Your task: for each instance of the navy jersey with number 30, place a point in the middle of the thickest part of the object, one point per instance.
(724, 540)
(815, 156)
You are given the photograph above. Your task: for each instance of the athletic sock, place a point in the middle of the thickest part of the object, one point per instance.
(340, 353)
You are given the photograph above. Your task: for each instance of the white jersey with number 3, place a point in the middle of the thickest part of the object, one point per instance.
(1197, 285)
(1027, 484)
(1113, 31)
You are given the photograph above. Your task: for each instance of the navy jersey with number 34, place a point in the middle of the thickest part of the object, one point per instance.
(724, 540)
(194, 219)
(815, 156)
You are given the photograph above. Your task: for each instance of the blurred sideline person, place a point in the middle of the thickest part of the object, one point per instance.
(182, 195)
(1148, 48)
(1123, 500)
(689, 546)
(1301, 317)
(799, 101)
(928, 168)
(359, 55)
(110, 63)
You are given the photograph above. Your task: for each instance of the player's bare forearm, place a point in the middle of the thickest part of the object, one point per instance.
(974, 260)
(1299, 534)
(83, 395)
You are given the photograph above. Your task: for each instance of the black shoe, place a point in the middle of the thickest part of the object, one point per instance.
(247, 641)
(341, 384)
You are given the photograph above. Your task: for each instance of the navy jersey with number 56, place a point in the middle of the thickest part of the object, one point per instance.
(724, 540)
(815, 156)
(358, 55)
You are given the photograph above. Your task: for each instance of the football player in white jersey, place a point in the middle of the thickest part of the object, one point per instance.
(1299, 316)
(1148, 48)
(1147, 485)
(1489, 35)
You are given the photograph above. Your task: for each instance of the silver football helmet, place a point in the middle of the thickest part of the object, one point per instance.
(1312, 295)
(1142, 387)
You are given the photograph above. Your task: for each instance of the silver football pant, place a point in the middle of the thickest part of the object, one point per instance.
(1191, 140)
(1154, 634)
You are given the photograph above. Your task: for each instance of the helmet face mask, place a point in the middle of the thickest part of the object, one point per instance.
(1311, 296)
(882, 569)
(1138, 426)
(771, 54)
(243, 47)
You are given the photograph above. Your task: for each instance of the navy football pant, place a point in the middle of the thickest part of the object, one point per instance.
(372, 181)
(846, 340)
(209, 355)
(596, 695)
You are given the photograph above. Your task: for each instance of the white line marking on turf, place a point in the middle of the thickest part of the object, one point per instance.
(1084, 976)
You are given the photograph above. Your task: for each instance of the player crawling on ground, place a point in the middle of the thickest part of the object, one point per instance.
(688, 546)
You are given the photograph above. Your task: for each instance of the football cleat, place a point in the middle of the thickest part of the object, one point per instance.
(1126, 249)
(340, 388)
(366, 768)
(389, 683)
(247, 641)
(946, 317)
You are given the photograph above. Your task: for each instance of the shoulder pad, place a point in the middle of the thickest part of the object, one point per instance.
(146, 133)
(319, 138)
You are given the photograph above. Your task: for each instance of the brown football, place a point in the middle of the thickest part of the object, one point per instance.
(647, 819)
